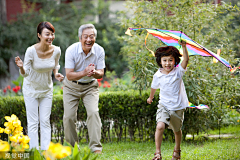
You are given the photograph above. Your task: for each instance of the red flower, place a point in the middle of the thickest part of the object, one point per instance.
(18, 88)
(9, 87)
(99, 80)
(106, 84)
(15, 89)
(62, 87)
(5, 90)
(99, 84)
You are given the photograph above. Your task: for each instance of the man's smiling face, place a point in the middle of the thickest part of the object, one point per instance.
(87, 40)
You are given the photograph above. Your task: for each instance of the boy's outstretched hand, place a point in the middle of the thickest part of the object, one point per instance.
(185, 54)
(149, 100)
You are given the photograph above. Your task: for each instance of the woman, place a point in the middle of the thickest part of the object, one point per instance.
(40, 60)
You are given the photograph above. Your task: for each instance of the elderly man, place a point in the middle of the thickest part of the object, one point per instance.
(84, 63)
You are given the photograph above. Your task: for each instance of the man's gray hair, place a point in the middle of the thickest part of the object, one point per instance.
(86, 26)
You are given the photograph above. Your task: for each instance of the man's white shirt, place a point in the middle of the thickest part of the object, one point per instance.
(76, 59)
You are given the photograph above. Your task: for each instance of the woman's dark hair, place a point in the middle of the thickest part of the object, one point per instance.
(43, 25)
(167, 51)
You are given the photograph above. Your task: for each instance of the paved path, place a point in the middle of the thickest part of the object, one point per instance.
(215, 136)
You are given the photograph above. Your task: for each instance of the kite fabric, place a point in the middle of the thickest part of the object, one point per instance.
(171, 38)
(201, 106)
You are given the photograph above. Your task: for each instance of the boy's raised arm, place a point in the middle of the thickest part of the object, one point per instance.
(185, 55)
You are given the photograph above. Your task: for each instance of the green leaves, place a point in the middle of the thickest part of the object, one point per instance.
(18, 81)
(76, 154)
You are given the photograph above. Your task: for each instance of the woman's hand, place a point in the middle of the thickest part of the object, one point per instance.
(59, 77)
(18, 62)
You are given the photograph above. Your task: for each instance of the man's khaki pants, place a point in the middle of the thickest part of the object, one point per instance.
(72, 92)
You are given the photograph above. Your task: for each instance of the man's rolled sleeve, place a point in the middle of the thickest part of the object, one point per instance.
(69, 61)
(101, 61)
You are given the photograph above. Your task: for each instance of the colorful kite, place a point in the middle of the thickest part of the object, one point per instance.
(201, 106)
(171, 38)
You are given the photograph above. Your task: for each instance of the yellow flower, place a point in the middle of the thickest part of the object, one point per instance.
(7, 131)
(57, 151)
(237, 120)
(8, 125)
(12, 118)
(20, 139)
(14, 138)
(66, 151)
(19, 142)
(4, 146)
(25, 146)
(25, 139)
(1, 130)
(13, 126)
(16, 123)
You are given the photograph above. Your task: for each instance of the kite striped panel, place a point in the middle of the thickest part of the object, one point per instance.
(171, 38)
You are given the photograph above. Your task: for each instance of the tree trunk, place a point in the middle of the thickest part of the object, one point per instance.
(3, 11)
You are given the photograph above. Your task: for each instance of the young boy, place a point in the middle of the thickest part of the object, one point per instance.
(173, 97)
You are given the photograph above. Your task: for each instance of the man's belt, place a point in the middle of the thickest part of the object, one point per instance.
(80, 83)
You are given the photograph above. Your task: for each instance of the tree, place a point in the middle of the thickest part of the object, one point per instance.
(234, 25)
(16, 36)
(108, 33)
(66, 18)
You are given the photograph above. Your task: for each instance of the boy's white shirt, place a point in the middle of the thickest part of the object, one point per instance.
(172, 90)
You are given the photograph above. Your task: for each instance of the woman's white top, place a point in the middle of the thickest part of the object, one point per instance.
(172, 90)
(38, 73)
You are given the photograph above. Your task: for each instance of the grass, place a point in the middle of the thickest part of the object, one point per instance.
(199, 149)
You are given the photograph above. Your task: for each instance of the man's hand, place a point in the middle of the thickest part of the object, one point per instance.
(90, 70)
(91, 73)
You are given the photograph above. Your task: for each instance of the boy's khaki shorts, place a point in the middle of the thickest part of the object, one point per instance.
(174, 119)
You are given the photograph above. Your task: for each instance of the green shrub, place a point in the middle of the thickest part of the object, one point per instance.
(125, 116)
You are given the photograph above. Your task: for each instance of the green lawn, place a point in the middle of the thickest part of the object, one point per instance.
(199, 149)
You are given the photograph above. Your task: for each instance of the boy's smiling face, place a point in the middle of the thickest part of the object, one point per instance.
(168, 63)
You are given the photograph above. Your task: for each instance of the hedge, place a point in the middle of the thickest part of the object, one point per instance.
(125, 116)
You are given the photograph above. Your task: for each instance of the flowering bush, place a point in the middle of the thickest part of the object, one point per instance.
(111, 83)
(18, 143)
(8, 91)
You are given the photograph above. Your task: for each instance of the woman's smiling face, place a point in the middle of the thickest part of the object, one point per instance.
(46, 36)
